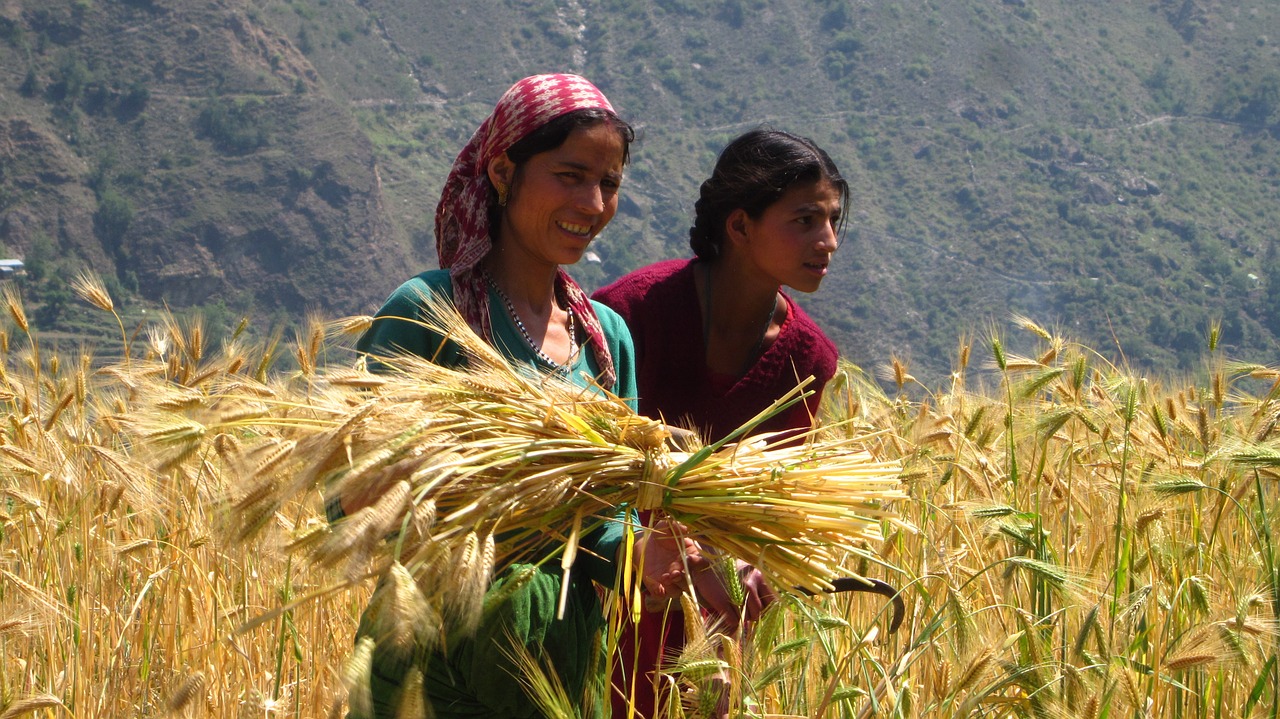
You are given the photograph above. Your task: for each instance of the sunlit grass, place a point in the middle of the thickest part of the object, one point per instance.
(1077, 541)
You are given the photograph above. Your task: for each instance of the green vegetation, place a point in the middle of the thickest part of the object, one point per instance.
(113, 217)
(235, 127)
(1108, 168)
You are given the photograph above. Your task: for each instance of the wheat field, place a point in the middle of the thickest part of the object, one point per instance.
(1072, 540)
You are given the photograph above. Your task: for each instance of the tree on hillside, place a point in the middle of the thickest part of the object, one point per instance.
(1271, 302)
(232, 126)
(1250, 103)
(112, 217)
(1263, 103)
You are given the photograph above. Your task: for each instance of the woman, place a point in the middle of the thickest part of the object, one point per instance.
(717, 340)
(535, 184)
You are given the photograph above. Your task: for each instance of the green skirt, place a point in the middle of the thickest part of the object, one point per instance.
(474, 675)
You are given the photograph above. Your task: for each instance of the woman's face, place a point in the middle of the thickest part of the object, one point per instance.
(560, 199)
(792, 241)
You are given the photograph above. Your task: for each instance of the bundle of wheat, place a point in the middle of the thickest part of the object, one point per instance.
(456, 472)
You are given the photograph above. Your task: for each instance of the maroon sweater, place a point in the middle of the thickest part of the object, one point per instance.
(660, 305)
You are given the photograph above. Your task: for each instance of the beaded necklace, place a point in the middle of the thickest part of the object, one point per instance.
(570, 325)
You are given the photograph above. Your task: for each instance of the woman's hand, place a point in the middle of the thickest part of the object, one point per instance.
(713, 592)
(669, 556)
(664, 550)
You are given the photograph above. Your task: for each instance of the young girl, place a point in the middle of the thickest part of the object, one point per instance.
(717, 340)
(530, 191)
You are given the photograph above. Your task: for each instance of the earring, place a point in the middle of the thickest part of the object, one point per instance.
(502, 195)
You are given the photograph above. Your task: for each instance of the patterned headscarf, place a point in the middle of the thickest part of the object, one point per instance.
(462, 217)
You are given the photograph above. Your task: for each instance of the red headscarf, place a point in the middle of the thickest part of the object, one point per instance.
(462, 217)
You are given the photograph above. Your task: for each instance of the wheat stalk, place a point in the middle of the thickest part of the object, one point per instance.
(464, 453)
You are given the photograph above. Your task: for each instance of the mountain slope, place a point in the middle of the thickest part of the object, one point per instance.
(1108, 167)
(189, 152)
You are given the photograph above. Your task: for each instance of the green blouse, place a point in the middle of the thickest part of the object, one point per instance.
(475, 677)
(391, 334)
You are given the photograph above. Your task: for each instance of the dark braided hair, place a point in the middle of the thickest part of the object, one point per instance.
(753, 172)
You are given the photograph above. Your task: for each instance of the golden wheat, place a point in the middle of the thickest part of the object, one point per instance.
(1024, 599)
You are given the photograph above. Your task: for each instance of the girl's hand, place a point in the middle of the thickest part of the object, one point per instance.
(664, 550)
(667, 551)
(714, 594)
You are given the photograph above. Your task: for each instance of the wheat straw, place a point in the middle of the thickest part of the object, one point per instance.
(90, 289)
(30, 705)
(540, 456)
(1027, 569)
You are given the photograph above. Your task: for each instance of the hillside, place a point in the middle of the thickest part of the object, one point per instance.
(187, 152)
(1107, 168)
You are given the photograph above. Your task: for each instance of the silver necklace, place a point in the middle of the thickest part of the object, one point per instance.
(511, 310)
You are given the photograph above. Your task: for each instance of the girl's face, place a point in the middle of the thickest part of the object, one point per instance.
(560, 199)
(792, 241)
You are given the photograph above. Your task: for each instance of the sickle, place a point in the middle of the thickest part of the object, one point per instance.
(873, 586)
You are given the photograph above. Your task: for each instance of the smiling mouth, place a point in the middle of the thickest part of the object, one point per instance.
(579, 230)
